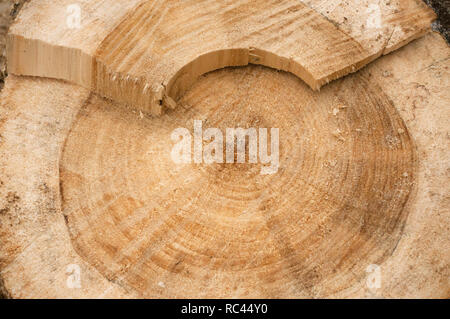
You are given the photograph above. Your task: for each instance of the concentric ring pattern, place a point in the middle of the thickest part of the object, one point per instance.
(161, 229)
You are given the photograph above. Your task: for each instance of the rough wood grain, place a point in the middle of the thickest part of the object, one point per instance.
(146, 54)
(341, 201)
(142, 219)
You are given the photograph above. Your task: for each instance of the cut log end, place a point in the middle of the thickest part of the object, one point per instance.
(91, 186)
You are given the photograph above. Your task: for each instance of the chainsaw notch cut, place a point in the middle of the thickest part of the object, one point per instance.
(149, 53)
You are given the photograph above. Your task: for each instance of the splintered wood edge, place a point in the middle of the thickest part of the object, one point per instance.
(123, 68)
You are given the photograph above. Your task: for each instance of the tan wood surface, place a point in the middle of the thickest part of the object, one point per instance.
(363, 180)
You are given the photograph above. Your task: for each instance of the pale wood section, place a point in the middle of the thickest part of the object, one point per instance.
(356, 187)
(146, 54)
(379, 26)
(41, 43)
(35, 247)
(417, 79)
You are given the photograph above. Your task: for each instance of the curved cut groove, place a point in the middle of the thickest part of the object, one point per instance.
(160, 48)
(185, 78)
(145, 54)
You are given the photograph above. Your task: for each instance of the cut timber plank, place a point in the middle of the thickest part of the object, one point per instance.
(48, 127)
(146, 54)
